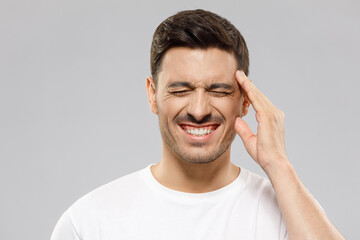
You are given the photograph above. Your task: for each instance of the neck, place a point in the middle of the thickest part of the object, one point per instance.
(178, 174)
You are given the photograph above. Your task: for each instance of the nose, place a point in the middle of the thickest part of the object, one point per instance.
(199, 106)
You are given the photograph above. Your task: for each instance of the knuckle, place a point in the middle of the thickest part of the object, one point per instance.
(260, 116)
(281, 114)
(278, 116)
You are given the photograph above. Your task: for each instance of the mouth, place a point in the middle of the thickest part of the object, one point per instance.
(199, 131)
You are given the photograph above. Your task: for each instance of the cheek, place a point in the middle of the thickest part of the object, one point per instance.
(170, 107)
(230, 108)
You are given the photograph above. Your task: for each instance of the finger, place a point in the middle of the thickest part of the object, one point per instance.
(246, 135)
(249, 90)
(259, 101)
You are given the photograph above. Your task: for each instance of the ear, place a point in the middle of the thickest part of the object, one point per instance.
(151, 92)
(245, 105)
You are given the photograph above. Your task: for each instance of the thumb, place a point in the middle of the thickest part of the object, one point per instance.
(246, 135)
(243, 129)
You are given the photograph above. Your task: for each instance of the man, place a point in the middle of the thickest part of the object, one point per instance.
(200, 91)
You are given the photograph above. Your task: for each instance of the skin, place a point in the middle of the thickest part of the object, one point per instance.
(188, 164)
(185, 166)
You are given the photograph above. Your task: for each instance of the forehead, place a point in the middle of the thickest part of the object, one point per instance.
(197, 66)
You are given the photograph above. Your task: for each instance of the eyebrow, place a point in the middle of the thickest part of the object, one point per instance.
(180, 84)
(221, 85)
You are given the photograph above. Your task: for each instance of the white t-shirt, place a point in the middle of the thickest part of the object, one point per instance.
(137, 206)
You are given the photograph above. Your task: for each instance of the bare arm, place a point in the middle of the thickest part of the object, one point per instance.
(303, 217)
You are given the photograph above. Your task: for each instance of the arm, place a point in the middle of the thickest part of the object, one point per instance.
(303, 217)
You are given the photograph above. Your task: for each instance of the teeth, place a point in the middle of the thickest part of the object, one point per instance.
(199, 132)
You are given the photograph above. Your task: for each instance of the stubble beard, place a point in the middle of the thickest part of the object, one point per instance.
(189, 156)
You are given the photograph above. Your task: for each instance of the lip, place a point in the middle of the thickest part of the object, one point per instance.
(213, 126)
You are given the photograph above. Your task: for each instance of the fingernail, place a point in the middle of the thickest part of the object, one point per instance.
(240, 75)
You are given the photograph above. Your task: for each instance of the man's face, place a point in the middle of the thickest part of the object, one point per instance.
(197, 100)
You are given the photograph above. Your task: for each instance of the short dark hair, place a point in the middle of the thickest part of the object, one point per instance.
(197, 29)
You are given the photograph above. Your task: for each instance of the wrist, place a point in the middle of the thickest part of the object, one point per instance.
(279, 168)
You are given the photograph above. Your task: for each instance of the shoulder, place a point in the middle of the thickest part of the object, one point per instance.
(258, 184)
(118, 192)
(99, 207)
(269, 218)
(260, 189)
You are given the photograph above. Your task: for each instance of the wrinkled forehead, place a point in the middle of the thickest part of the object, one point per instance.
(197, 66)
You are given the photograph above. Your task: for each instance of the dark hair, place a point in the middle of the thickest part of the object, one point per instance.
(197, 29)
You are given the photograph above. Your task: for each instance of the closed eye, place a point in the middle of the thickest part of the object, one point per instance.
(180, 93)
(219, 93)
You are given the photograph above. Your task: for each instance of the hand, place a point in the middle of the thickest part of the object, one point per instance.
(267, 147)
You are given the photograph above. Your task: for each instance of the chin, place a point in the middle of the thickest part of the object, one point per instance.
(199, 155)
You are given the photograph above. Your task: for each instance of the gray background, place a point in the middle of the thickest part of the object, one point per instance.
(74, 111)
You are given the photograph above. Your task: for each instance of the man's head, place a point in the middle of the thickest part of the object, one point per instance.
(197, 29)
(194, 57)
